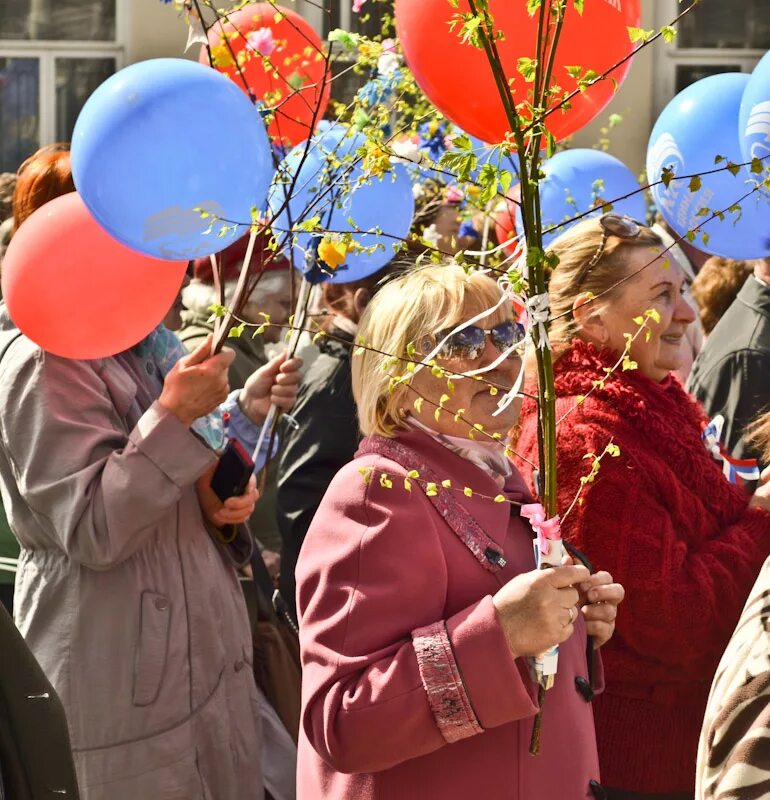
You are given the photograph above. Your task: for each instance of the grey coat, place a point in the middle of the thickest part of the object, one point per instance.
(730, 376)
(132, 610)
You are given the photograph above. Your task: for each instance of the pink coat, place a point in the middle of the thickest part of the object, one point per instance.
(409, 689)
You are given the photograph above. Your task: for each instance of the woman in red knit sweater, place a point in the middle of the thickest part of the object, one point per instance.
(686, 544)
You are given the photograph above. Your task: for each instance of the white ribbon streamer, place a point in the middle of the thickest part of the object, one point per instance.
(539, 311)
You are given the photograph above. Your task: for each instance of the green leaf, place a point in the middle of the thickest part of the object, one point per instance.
(639, 34)
(695, 183)
(587, 80)
(534, 256)
(718, 159)
(574, 72)
(526, 68)
(668, 33)
(756, 166)
(505, 178)
(462, 143)
(310, 225)
(349, 41)
(733, 168)
(579, 5)
(666, 176)
(236, 331)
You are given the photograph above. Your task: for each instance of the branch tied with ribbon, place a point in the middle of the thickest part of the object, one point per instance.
(549, 552)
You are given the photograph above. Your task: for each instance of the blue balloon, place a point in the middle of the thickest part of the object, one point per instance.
(577, 181)
(698, 125)
(755, 114)
(161, 139)
(326, 180)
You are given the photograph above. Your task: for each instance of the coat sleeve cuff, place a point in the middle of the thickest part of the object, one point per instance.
(441, 679)
(499, 686)
(177, 452)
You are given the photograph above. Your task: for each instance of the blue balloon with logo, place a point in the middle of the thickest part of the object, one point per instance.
(170, 156)
(580, 181)
(755, 115)
(325, 189)
(699, 124)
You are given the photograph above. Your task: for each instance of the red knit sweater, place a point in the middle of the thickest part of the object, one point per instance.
(680, 538)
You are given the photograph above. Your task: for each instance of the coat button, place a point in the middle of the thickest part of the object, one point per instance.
(584, 688)
(239, 665)
(161, 604)
(598, 790)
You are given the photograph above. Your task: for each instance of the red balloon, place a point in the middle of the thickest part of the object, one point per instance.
(457, 77)
(76, 291)
(290, 76)
(504, 217)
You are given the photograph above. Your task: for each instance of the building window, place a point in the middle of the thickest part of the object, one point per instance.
(712, 38)
(339, 14)
(53, 54)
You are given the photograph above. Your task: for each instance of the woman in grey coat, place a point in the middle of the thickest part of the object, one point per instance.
(126, 591)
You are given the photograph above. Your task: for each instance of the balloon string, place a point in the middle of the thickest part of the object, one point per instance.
(218, 294)
(297, 324)
(236, 302)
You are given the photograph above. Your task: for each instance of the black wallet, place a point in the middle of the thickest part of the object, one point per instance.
(231, 477)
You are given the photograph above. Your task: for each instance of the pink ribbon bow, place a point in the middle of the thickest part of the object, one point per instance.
(545, 529)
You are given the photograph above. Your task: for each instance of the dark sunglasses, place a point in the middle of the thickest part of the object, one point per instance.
(469, 343)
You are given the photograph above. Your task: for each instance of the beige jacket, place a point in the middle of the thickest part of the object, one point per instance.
(133, 612)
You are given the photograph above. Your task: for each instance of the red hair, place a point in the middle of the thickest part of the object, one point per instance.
(42, 177)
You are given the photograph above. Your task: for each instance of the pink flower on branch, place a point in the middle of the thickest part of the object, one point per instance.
(262, 41)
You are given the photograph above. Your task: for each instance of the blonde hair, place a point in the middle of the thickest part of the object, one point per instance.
(421, 302)
(572, 277)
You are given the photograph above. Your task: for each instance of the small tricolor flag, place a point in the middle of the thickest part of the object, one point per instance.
(734, 469)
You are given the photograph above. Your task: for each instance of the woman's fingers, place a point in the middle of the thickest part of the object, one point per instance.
(610, 593)
(605, 612)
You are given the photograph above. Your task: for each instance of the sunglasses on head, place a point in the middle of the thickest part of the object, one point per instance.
(617, 225)
(469, 343)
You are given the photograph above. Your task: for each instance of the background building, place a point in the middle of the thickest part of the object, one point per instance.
(53, 53)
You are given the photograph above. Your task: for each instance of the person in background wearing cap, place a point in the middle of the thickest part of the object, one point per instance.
(271, 296)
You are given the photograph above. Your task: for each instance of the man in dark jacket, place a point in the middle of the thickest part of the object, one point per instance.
(326, 434)
(731, 376)
(35, 754)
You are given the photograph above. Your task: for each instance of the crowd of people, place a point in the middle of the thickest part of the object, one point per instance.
(392, 525)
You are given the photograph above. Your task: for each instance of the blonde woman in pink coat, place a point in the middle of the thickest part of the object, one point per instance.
(419, 602)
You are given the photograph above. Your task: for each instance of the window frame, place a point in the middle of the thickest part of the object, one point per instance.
(671, 56)
(46, 51)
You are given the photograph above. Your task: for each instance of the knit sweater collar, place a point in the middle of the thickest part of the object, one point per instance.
(660, 408)
(634, 408)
